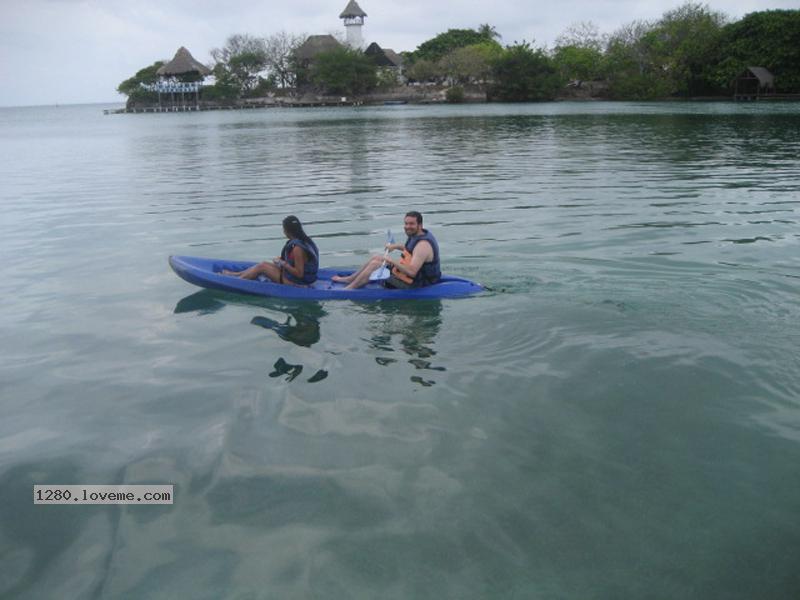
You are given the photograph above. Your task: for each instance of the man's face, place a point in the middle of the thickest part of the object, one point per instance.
(411, 226)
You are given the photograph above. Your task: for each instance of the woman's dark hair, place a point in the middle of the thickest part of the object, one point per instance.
(294, 228)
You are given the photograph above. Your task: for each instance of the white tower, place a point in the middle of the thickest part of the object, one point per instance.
(353, 22)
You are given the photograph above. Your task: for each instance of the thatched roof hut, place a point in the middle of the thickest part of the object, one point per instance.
(393, 56)
(383, 57)
(352, 10)
(766, 80)
(314, 45)
(182, 64)
(752, 82)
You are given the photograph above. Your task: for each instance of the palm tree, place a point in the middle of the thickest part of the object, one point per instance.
(488, 31)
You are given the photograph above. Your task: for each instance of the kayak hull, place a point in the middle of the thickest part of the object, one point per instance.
(206, 272)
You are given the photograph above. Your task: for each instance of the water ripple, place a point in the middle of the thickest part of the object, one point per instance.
(639, 349)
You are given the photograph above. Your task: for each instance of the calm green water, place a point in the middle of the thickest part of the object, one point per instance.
(620, 418)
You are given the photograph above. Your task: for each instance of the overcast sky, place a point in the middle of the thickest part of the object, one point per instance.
(76, 51)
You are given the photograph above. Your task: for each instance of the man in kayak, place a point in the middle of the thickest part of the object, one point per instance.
(419, 266)
(298, 263)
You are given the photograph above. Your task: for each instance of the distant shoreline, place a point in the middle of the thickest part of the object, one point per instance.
(579, 91)
(259, 103)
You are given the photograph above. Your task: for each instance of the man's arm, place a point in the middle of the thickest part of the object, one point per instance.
(423, 252)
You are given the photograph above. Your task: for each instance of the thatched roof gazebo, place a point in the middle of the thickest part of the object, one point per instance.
(182, 75)
(183, 64)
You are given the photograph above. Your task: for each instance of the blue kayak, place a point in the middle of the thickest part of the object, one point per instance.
(206, 272)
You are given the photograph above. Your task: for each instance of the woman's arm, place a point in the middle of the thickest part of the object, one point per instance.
(299, 259)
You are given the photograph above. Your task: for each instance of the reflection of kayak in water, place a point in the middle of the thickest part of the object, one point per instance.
(206, 272)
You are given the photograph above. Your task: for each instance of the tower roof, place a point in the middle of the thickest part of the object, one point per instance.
(183, 62)
(352, 10)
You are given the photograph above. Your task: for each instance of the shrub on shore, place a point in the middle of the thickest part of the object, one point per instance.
(523, 74)
(344, 72)
(455, 94)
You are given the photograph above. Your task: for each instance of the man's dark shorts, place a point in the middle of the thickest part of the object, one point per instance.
(393, 283)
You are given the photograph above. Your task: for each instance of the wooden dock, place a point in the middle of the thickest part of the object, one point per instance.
(768, 97)
(240, 106)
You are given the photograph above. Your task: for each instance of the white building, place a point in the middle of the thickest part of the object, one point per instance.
(353, 22)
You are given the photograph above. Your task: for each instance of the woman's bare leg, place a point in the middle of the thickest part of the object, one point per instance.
(267, 269)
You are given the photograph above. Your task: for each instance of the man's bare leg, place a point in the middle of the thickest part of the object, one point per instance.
(367, 267)
(362, 277)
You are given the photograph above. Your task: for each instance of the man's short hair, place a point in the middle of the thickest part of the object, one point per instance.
(416, 215)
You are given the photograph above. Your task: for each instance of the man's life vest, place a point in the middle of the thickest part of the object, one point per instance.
(398, 274)
(429, 272)
(312, 260)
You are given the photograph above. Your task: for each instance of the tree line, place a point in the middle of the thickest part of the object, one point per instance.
(690, 51)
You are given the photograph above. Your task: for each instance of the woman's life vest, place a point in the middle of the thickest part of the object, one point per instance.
(429, 272)
(312, 260)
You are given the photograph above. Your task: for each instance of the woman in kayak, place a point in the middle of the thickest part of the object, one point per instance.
(297, 264)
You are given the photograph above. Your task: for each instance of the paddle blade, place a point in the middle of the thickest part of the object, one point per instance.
(380, 274)
(383, 271)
